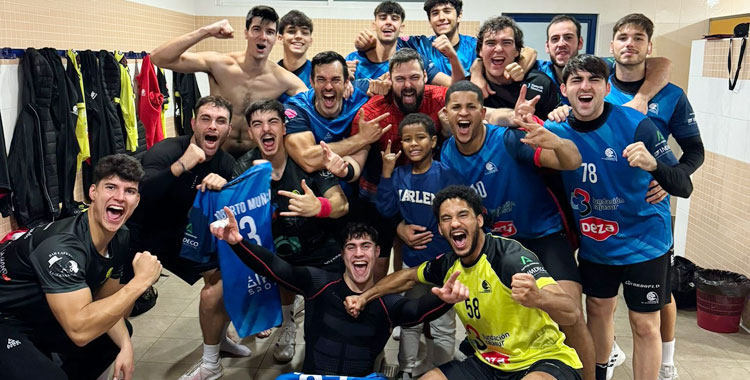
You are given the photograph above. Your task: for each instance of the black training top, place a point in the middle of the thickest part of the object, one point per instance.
(537, 83)
(162, 214)
(337, 343)
(58, 257)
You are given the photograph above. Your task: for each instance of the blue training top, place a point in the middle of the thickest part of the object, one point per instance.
(367, 69)
(302, 116)
(434, 59)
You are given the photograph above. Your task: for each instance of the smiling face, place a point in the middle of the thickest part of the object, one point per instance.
(586, 94)
(387, 27)
(408, 80)
(444, 20)
(260, 36)
(210, 128)
(329, 82)
(267, 130)
(630, 46)
(461, 227)
(113, 200)
(296, 40)
(563, 42)
(359, 255)
(498, 50)
(416, 143)
(465, 114)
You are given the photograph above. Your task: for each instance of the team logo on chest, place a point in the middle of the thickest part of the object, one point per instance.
(610, 155)
(653, 108)
(490, 168)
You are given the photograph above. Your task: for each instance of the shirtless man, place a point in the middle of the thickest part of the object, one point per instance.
(241, 77)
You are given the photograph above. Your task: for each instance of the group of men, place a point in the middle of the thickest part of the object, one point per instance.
(434, 148)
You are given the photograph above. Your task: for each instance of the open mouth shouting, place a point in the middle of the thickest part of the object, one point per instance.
(409, 96)
(463, 128)
(585, 99)
(115, 214)
(261, 48)
(268, 141)
(211, 141)
(360, 268)
(329, 99)
(460, 239)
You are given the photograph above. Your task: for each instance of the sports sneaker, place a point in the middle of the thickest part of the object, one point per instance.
(284, 350)
(668, 372)
(616, 358)
(203, 372)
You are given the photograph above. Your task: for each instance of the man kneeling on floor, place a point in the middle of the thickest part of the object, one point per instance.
(60, 290)
(515, 307)
(337, 343)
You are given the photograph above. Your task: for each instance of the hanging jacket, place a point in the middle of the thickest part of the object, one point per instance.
(73, 71)
(186, 94)
(63, 103)
(127, 104)
(162, 80)
(104, 124)
(110, 70)
(149, 101)
(31, 162)
(141, 150)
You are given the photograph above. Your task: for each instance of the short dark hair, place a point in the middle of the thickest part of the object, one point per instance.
(390, 8)
(295, 18)
(429, 4)
(563, 18)
(264, 105)
(405, 55)
(586, 62)
(464, 85)
(464, 193)
(499, 23)
(265, 13)
(121, 165)
(636, 19)
(418, 118)
(356, 230)
(216, 101)
(326, 57)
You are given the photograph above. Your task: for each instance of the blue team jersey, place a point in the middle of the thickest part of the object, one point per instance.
(367, 69)
(670, 109)
(302, 117)
(502, 172)
(434, 61)
(251, 300)
(548, 68)
(608, 196)
(411, 195)
(303, 72)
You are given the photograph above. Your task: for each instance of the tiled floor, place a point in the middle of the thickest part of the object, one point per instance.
(167, 342)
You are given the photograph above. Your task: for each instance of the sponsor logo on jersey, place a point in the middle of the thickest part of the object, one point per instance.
(94, 94)
(490, 168)
(652, 298)
(525, 260)
(61, 264)
(12, 343)
(326, 174)
(536, 87)
(328, 137)
(257, 283)
(610, 155)
(189, 228)
(580, 200)
(504, 228)
(606, 204)
(486, 288)
(653, 108)
(3, 268)
(598, 229)
(290, 113)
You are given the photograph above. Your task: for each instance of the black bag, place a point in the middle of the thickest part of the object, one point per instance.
(683, 282)
(722, 283)
(145, 302)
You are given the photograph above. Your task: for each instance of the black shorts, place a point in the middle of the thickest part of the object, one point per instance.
(645, 285)
(556, 255)
(364, 211)
(475, 369)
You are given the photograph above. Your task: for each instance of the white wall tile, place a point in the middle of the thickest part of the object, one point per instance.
(699, 94)
(681, 226)
(737, 133)
(697, 51)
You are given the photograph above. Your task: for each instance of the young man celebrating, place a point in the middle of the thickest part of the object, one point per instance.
(336, 343)
(240, 77)
(295, 31)
(670, 110)
(60, 288)
(515, 306)
(624, 239)
(372, 64)
(176, 169)
(303, 228)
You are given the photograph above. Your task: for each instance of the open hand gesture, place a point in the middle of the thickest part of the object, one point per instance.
(306, 204)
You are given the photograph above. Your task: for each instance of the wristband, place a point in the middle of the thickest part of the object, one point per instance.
(184, 169)
(349, 173)
(325, 208)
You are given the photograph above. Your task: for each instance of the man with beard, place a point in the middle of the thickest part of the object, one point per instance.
(564, 40)
(240, 77)
(60, 289)
(336, 343)
(672, 113)
(515, 306)
(305, 205)
(176, 169)
(295, 31)
(409, 94)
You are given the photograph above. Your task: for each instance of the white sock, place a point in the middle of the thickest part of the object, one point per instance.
(230, 346)
(287, 314)
(211, 355)
(667, 353)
